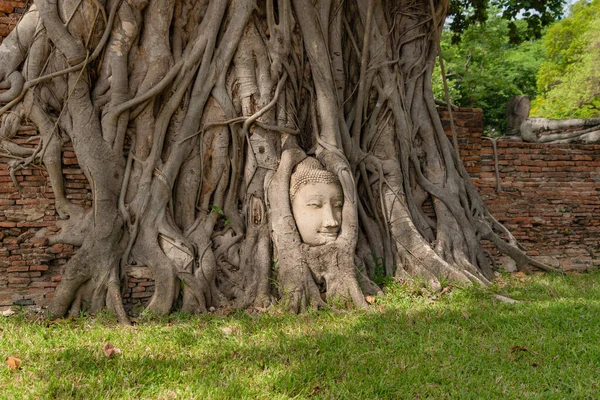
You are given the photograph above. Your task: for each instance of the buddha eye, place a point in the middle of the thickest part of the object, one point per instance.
(313, 205)
(338, 204)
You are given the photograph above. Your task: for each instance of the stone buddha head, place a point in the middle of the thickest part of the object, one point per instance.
(317, 200)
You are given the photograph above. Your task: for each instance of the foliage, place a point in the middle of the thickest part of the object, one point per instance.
(536, 14)
(569, 78)
(411, 344)
(485, 70)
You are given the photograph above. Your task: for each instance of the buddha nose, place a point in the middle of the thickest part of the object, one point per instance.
(329, 220)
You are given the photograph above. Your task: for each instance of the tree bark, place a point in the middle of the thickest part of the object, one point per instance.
(188, 118)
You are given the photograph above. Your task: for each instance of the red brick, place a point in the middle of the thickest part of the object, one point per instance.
(18, 281)
(140, 295)
(17, 269)
(56, 249)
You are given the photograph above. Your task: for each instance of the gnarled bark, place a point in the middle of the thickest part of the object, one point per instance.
(188, 117)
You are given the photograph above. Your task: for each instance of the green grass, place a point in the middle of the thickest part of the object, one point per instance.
(459, 344)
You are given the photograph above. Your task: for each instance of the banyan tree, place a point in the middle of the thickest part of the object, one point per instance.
(190, 119)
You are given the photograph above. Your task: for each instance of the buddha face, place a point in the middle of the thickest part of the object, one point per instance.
(317, 209)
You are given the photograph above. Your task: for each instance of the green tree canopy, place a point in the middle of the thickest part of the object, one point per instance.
(485, 69)
(536, 13)
(569, 79)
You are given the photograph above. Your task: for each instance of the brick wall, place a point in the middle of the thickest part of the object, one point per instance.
(550, 196)
(10, 12)
(550, 200)
(468, 123)
(30, 268)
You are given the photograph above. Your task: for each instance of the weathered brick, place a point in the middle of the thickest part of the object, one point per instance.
(140, 295)
(17, 269)
(18, 280)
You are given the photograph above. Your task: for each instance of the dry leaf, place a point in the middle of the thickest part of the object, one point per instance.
(445, 290)
(227, 330)
(519, 274)
(466, 314)
(110, 350)
(7, 313)
(518, 348)
(315, 391)
(13, 362)
(370, 299)
(403, 365)
(515, 349)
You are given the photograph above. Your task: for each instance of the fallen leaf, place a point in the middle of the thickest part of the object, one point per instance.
(521, 348)
(446, 289)
(315, 391)
(519, 274)
(7, 313)
(370, 299)
(466, 314)
(227, 330)
(13, 362)
(403, 365)
(110, 350)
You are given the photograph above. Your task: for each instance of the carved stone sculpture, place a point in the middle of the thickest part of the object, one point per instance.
(544, 130)
(517, 112)
(317, 200)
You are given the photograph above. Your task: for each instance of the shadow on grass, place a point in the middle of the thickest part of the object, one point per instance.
(462, 346)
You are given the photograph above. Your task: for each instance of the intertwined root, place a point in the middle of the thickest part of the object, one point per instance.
(187, 119)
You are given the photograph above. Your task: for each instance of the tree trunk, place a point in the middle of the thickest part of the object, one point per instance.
(190, 117)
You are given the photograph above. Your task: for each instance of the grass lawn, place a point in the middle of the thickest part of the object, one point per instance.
(463, 343)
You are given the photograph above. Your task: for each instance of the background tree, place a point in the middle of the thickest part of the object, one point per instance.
(484, 69)
(569, 79)
(188, 117)
(534, 14)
